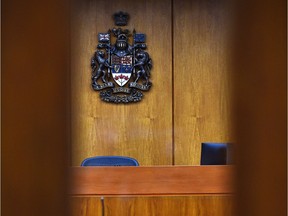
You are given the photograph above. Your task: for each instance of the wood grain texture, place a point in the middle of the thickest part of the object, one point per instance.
(201, 77)
(216, 205)
(141, 130)
(152, 180)
(85, 206)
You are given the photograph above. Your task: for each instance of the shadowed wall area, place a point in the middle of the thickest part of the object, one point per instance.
(34, 71)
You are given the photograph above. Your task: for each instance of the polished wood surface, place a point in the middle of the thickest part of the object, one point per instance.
(215, 205)
(85, 206)
(151, 180)
(202, 86)
(142, 130)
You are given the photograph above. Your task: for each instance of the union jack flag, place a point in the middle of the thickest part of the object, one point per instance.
(126, 60)
(104, 37)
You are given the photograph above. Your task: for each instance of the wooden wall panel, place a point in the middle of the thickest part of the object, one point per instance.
(34, 70)
(85, 206)
(201, 77)
(261, 107)
(163, 206)
(142, 130)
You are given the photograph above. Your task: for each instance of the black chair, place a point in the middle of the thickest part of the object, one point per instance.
(216, 154)
(109, 161)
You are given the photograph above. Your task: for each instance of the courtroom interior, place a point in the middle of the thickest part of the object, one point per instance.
(144, 108)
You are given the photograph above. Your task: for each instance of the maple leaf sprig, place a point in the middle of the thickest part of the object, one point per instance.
(121, 77)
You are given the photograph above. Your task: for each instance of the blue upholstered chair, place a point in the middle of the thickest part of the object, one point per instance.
(216, 154)
(109, 161)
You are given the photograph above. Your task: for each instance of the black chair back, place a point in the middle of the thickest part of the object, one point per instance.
(216, 154)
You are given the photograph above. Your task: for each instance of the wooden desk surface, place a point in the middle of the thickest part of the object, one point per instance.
(170, 180)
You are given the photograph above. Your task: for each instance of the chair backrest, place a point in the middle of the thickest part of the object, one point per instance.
(109, 161)
(216, 154)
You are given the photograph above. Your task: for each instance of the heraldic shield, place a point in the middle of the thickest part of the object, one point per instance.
(121, 66)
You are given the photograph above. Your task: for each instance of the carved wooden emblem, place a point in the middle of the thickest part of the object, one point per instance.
(123, 67)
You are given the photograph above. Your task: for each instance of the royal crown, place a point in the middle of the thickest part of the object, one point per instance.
(121, 18)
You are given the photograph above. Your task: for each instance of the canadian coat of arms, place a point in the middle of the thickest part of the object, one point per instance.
(121, 70)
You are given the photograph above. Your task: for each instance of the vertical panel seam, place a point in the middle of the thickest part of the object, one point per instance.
(69, 91)
(172, 55)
